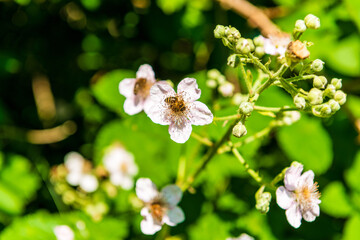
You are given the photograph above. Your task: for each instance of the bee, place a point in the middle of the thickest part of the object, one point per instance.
(176, 104)
(139, 85)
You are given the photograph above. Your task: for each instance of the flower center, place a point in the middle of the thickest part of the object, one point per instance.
(176, 104)
(157, 211)
(307, 194)
(142, 88)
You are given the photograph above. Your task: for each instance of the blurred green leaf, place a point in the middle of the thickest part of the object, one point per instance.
(352, 229)
(306, 141)
(353, 173)
(353, 103)
(209, 227)
(9, 201)
(170, 7)
(334, 200)
(353, 8)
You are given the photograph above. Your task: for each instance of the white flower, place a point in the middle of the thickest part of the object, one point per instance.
(136, 90)
(276, 44)
(160, 207)
(300, 196)
(79, 172)
(63, 232)
(121, 166)
(243, 236)
(290, 117)
(179, 110)
(226, 89)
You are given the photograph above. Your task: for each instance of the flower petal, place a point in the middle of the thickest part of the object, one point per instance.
(133, 105)
(292, 176)
(189, 89)
(73, 178)
(284, 198)
(146, 190)
(74, 161)
(149, 227)
(146, 71)
(160, 90)
(126, 182)
(180, 132)
(306, 179)
(174, 216)
(156, 112)
(172, 194)
(310, 216)
(126, 87)
(293, 215)
(89, 183)
(200, 114)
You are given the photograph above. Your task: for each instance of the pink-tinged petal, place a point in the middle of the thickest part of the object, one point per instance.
(149, 227)
(146, 71)
(180, 132)
(146, 190)
(189, 89)
(174, 216)
(293, 215)
(292, 176)
(200, 114)
(160, 90)
(172, 194)
(312, 213)
(307, 179)
(157, 114)
(284, 198)
(126, 87)
(133, 105)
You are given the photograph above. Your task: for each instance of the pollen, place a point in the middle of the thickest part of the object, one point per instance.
(157, 211)
(305, 195)
(176, 104)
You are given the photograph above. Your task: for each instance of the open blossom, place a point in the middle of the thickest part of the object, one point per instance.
(178, 110)
(160, 207)
(79, 172)
(276, 44)
(63, 232)
(300, 196)
(136, 90)
(121, 166)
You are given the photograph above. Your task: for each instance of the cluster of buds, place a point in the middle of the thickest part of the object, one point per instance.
(217, 80)
(310, 21)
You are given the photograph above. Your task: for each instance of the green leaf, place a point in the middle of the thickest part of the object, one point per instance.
(306, 141)
(353, 8)
(106, 89)
(334, 200)
(352, 229)
(353, 103)
(205, 228)
(353, 173)
(9, 201)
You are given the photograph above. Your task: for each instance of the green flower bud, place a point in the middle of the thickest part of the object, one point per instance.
(226, 42)
(243, 46)
(330, 91)
(239, 130)
(211, 83)
(334, 105)
(340, 97)
(325, 109)
(315, 96)
(337, 83)
(259, 41)
(300, 26)
(259, 52)
(263, 202)
(299, 102)
(251, 44)
(246, 108)
(213, 74)
(317, 65)
(233, 60)
(219, 31)
(221, 79)
(238, 98)
(232, 34)
(319, 82)
(311, 21)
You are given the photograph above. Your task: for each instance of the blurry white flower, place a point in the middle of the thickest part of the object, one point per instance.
(226, 89)
(179, 110)
(276, 44)
(300, 196)
(160, 207)
(121, 166)
(290, 117)
(243, 236)
(79, 172)
(136, 90)
(63, 232)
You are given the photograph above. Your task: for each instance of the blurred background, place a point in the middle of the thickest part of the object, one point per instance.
(60, 64)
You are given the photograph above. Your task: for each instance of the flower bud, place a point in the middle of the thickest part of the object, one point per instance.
(315, 96)
(300, 26)
(246, 108)
(213, 74)
(317, 65)
(330, 91)
(299, 102)
(289, 117)
(238, 98)
(337, 83)
(243, 46)
(211, 83)
(221, 79)
(319, 82)
(259, 52)
(311, 21)
(239, 130)
(259, 41)
(233, 60)
(340, 97)
(263, 202)
(325, 110)
(219, 31)
(226, 89)
(334, 105)
(226, 42)
(232, 34)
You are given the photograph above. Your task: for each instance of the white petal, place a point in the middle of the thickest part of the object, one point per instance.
(126, 182)
(284, 198)
(74, 161)
(146, 71)
(200, 114)
(63, 232)
(189, 89)
(307, 179)
(174, 216)
(180, 132)
(156, 112)
(172, 194)
(126, 87)
(89, 183)
(73, 178)
(146, 190)
(293, 215)
(309, 216)
(133, 105)
(160, 90)
(148, 226)
(292, 176)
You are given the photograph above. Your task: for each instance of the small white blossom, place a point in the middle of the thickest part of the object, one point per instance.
(63, 232)
(121, 166)
(178, 110)
(276, 44)
(290, 117)
(160, 207)
(300, 196)
(79, 172)
(226, 89)
(136, 90)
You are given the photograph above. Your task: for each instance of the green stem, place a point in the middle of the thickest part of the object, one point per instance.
(288, 87)
(225, 118)
(274, 109)
(281, 71)
(201, 139)
(257, 62)
(299, 78)
(247, 80)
